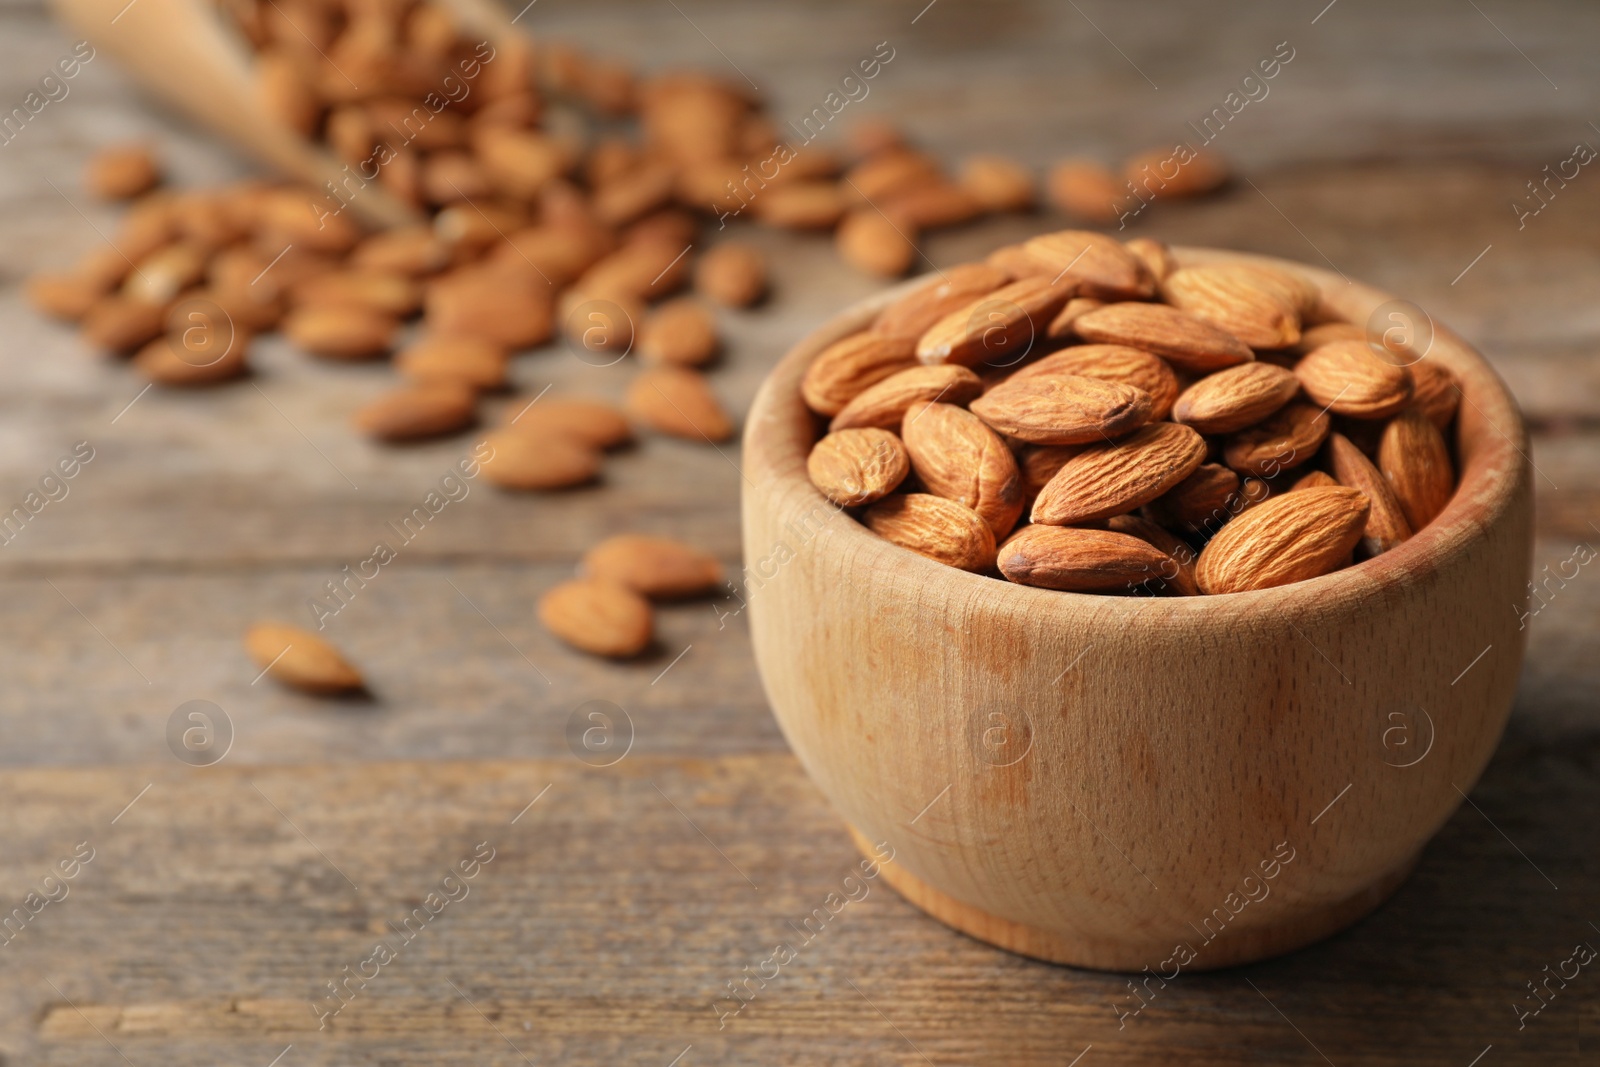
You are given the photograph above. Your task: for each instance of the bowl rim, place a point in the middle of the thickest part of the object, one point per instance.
(1490, 438)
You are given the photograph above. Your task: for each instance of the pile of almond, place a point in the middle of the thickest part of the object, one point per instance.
(1164, 429)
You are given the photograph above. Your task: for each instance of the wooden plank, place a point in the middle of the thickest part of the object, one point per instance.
(617, 907)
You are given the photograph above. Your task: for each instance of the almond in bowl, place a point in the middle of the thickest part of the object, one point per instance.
(1185, 544)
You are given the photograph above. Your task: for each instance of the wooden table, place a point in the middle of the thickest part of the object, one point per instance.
(619, 902)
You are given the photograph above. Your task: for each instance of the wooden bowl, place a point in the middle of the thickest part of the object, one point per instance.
(1119, 782)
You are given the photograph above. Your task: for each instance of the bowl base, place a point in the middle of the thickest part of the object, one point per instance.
(1107, 954)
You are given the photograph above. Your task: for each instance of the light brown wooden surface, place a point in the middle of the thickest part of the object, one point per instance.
(1392, 145)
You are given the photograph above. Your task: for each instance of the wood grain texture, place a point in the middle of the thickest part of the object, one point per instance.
(1392, 144)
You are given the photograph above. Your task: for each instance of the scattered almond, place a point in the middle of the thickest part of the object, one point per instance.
(340, 332)
(731, 274)
(167, 363)
(997, 183)
(469, 361)
(870, 242)
(539, 461)
(1085, 189)
(655, 567)
(424, 409)
(680, 332)
(598, 617)
(122, 173)
(300, 659)
(595, 423)
(678, 402)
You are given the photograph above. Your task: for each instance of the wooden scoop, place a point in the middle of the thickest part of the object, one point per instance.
(179, 50)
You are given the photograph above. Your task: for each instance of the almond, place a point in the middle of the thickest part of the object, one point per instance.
(1313, 480)
(813, 205)
(1176, 172)
(1180, 551)
(1085, 189)
(1116, 477)
(1289, 538)
(122, 173)
(300, 659)
(1060, 328)
(1082, 561)
(381, 291)
(1386, 525)
(1434, 392)
(1414, 458)
(1287, 439)
(655, 567)
(858, 466)
(410, 250)
(847, 367)
(885, 404)
(425, 409)
(520, 162)
(998, 329)
(1106, 269)
(336, 332)
(1063, 409)
(1313, 337)
(890, 173)
(469, 361)
(68, 297)
(731, 274)
(539, 461)
(678, 402)
(119, 324)
(646, 269)
(959, 458)
(505, 306)
(1347, 378)
(1238, 299)
(1201, 503)
(162, 361)
(595, 423)
(1114, 363)
(165, 273)
(871, 243)
(1235, 398)
(997, 183)
(1155, 255)
(598, 617)
(1180, 338)
(931, 207)
(942, 530)
(1039, 463)
(913, 315)
(680, 332)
